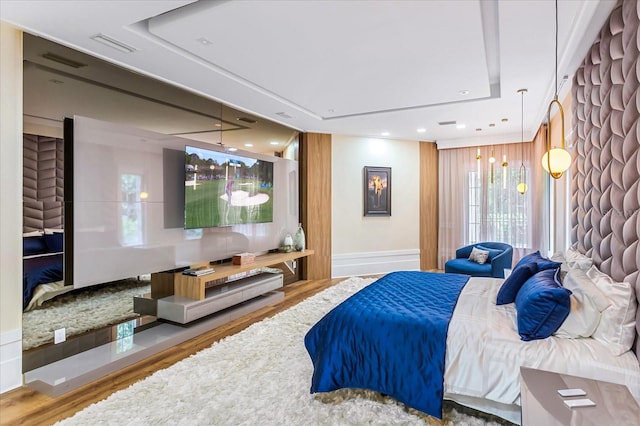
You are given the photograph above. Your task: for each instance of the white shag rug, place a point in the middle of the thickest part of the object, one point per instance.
(82, 311)
(261, 375)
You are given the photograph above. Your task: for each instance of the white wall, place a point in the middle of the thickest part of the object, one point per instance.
(11, 213)
(371, 245)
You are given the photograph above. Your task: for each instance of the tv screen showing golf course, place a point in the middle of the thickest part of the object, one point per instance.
(223, 189)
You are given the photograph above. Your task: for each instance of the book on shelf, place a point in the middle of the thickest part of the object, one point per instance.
(201, 270)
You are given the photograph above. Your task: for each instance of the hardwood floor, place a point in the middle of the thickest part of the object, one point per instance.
(25, 406)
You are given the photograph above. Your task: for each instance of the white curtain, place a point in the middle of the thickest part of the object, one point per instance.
(472, 208)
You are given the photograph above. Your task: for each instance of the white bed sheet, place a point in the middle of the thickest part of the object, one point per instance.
(484, 354)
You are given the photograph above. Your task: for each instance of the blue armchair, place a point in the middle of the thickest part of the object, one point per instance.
(500, 258)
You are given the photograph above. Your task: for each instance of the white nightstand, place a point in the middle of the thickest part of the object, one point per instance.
(543, 405)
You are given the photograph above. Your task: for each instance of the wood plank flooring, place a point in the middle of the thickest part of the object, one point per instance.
(24, 406)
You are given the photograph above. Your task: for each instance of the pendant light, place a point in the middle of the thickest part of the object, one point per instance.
(504, 171)
(557, 160)
(522, 181)
(492, 160)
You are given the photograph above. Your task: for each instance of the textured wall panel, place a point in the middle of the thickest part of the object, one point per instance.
(605, 214)
(42, 189)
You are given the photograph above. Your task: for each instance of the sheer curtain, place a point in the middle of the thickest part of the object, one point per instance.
(473, 207)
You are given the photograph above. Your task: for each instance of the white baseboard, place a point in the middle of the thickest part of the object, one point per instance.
(372, 263)
(10, 360)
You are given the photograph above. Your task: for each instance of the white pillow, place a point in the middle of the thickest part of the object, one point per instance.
(479, 256)
(587, 303)
(32, 234)
(53, 230)
(617, 328)
(575, 259)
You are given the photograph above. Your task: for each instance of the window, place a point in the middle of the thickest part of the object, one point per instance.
(131, 210)
(496, 211)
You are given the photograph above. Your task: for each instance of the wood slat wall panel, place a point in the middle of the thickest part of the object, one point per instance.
(315, 202)
(428, 206)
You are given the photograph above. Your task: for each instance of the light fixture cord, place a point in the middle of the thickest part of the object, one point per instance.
(556, 92)
(522, 126)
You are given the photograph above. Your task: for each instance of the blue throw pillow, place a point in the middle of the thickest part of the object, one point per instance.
(54, 242)
(511, 285)
(525, 268)
(33, 245)
(492, 252)
(542, 305)
(536, 257)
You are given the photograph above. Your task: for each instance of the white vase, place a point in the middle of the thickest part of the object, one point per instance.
(299, 241)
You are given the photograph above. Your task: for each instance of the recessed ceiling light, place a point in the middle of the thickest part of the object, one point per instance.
(492, 124)
(464, 92)
(205, 41)
(504, 120)
(249, 145)
(421, 130)
(218, 125)
(461, 126)
(385, 133)
(232, 149)
(275, 143)
(479, 129)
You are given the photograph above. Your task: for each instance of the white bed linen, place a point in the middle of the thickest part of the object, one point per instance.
(484, 354)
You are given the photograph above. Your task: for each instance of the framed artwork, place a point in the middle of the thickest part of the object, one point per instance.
(377, 191)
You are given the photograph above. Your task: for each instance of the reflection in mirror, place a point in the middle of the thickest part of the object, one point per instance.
(87, 86)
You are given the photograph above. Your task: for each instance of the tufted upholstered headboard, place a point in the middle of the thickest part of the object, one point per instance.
(605, 181)
(42, 183)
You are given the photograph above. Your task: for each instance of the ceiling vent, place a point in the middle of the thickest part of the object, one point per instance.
(113, 43)
(247, 120)
(446, 123)
(62, 60)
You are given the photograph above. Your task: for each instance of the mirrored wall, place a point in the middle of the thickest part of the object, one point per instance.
(60, 82)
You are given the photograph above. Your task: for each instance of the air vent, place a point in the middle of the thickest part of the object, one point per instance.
(111, 42)
(62, 60)
(247, 120)
(447, 123)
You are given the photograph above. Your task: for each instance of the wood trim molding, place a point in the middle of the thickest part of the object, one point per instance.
(428, 206)
(315, 203)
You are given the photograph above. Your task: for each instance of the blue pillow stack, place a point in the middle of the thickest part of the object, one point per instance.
(527, 267)
(542, 304)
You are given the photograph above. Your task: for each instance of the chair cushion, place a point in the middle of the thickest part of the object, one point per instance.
(468, 267)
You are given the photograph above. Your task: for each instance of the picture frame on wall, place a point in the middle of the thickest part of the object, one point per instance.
(377, 191)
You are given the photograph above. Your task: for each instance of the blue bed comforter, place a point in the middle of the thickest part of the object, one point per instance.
(39, 270)
(389, 337)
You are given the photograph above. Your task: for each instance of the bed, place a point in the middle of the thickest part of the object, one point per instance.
(42, 268)
(481, 353)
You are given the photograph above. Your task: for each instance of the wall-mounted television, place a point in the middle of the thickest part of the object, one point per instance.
(224, 189)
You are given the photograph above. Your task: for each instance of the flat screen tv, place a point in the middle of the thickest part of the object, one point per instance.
(223, 189)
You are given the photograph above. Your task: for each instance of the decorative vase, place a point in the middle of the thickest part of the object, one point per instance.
(288, 243)
(299, 241)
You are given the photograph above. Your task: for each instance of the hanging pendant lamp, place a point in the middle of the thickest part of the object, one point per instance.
(522, 181)
(557, 160)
